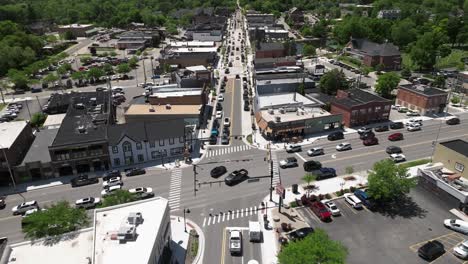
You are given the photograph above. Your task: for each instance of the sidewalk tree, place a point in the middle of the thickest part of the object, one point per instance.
(85, 59)
(133, 62)
(19, 79)
(107, 68)
(333, 81)
(58, 219)
(308, 178)
(95, 73)
(117, 197)
(455, 100)
(38, 119)
(123, 68)
(386, 83)
(317, 247)
(64, 68)
(79, 75)
(50, 78)
(388, 181)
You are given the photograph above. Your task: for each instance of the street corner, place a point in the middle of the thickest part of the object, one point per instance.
(188, 240)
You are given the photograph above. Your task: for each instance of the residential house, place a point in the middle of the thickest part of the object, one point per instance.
(424, 99)
(372, 54)
(359, 107)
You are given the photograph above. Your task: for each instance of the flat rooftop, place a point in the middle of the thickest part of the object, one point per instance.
(294, 114)
(422, 89)
(165, 94)
(107, 222)
(54, 120)
(147, 109)
(286, 99)
(9, 131)
(457, 145)
(192, 44)
(39, 150)
(76, 26)
(69, 249)
(195, 49)
(283, 81)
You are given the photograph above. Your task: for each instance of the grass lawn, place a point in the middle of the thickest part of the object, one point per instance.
(415, 163)
(2, 106)
(453, 60)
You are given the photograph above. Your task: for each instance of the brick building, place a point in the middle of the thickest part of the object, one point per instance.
(359, 107)
(270, 50)
(78, 30)
(425, 99)
(372, 54)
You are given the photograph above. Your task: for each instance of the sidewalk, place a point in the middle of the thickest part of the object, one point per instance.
(180, 240)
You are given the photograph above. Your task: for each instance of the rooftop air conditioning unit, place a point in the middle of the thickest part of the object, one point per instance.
(135, 218)
(126, 233)
(277, 119)
(282, 111)
(271, 111)
(168, 106)
(81, 129)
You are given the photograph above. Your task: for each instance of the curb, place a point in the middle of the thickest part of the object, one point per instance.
(201, 242)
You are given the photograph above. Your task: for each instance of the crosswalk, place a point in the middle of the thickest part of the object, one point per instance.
(222, 151)
(230, 215)
(276, 175)
(175, 189)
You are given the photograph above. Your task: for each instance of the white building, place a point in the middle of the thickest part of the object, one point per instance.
(136, 232)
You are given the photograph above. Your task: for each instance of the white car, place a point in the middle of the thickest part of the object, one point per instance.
(112, 182)
(461, 250)
(227, 122)
(414, 121)
(219, 114)
(23, 207)
(396, 107)
(457, 225)
(343, 146)
(331, 206)
(88, 202)
(315, 151)
(221, 98)
(110, 190)
(293, 148)
(142, 192)
(353, 200)
(396, 157)
(414, 127)
(235, 242)
(363, 130)
(412, 113)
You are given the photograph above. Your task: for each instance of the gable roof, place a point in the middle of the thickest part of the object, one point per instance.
(143, 131)
(372, 48)
(359, 97)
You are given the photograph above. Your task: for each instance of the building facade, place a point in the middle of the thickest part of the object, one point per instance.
(425, 99)
(270, 50)
(78, 30)
(454, 155)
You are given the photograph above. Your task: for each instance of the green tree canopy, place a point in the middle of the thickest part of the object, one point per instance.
(333, 81)
(19, 79)
(308, 50)
(38, 119)
(386, 83)
(118, 197)
(317, 247)
(123, 68)
(388, 181)
(79, 75)
(58, 219)
(405, 73)
(95, 73)
(133, 62)
(50, 78)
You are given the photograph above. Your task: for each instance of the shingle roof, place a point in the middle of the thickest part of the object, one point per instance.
(359, 97)
(150, 131)
(457, 145)
(372, 48)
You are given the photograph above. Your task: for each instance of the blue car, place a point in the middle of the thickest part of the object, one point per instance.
(214, 132)
(365, 198)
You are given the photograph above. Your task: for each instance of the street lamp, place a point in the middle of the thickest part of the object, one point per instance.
(185, 223)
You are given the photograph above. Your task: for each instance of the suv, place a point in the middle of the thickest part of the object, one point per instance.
(134, 171)
(288, 162)
(321, 211)
(393, 150)
(23, 207)
(335, 136)
(83, 180)
(235, 242)
(365, 199)
(312, 165)
(293, 148)
(367, 135)
(370, 141)
(236, 177)
(315, 151)
(353, 200)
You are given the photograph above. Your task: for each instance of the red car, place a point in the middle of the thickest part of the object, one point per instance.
(370, 141)
(321, 211)
(395, 137)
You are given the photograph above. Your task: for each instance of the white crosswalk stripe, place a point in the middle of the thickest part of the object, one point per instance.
(276, 175)
(223, 151)
(175, 189)
(213, 219)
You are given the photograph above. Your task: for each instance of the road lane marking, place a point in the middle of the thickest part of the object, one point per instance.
(237, 213)
(219, 218)
(224, 216)
(302, 158)
(242, 212)
(204, 221)
(209, 220)
(350, 208)
(223, 247)
(228, 216)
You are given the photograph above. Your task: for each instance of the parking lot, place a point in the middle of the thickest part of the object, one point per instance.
(395, 234)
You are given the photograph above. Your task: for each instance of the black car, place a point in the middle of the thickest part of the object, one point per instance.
(218, 171)
(219, 107)
(335, 136)
(312, 165)
(381, 128)
(111, 174)
(453, 121)
(226, 71)
(397, 125)
(215, 123)
(225, 140)
(213, 140)
(83, 180)
(236, 177)
(300, 233)
(325, 173)
(431, 250)
(226, 131)
(393, 150)
(367, 135)
(2, 202)
(134, 171)
(237, 76)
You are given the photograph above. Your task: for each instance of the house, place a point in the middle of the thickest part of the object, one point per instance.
(270, 50)
(140, 142)
(15, 139)
(391, 14)
(424, 99)
(372, 54)
(296, 16)
(78, 30)
(359, 107)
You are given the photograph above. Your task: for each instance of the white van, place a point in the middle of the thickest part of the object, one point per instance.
(255, 232)
(457, 225)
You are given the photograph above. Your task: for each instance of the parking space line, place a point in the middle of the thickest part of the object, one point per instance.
(313, 216)
(457, 259)
(365, 208)
(350, 208)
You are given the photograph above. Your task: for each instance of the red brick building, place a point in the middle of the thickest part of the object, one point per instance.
(372, 54)
(359, 107)
(270, 50)
(425, 99)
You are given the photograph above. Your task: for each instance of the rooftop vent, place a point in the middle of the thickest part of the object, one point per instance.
(168, 106)
(81, 129)
(277, 119)
(135, 218)
(282, 111)
(79, 106)
(271, 111)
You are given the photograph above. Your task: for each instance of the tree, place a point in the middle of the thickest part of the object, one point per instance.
(118, 197)
(50, 78)
(317, 247)
(308, 177)
(58, 219)
(404, 32)
(405, 73)
(424, 51)
(38, 119)
(113, 53)
(64, 68)
(133, 62)
(123, 68)
(333, 81)
(86, 59)
(439, 81)
(95, 73)
(68, 35)
(19, 79)
(386, 83)
(320, 29)
(388, 181)
(455, 100)
(453, 28)
(308, 50)
(107, 68)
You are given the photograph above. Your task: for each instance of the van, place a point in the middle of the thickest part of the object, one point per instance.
(457, 225)
(255, 233)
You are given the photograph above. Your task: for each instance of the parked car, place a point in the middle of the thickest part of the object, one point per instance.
(367, 135)
(219, 107)
(312, 165)
(343, 146)
(213, 140)
(82, 180)
(288, 162)
(225, 140)
(395, 137)
(397, 125)
(112, 181)
(370, 141)
(461, 250)
(315, 151)
(2, 202)
(293, 148)
(331, 206)
(111, 174)
(453, 121)
(88, 202)
(413, 113)
(218, 171)
(414, 121)
(325, 173)
(431, 250)
(300, 233)
(457, 225)
(321, 211)
(220, 98)
(110, 190)
(414, 127)
(397, 157)
(227, 122)
(335, 136)
(353, 200)
(364, 198)
(381, 128)
(363, 130)
(23, 207)
(219, 114)
(393, 150)
(142, 192)
(134, 171)
(235, 242)
(236, 177)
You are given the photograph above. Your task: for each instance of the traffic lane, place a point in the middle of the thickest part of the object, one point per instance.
(250, 251)
(237, 108)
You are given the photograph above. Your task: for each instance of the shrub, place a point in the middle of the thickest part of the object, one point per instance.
(313, 198)
(345, 190)
(293, 204)
(328, 196)
(321, 197)
(339, 193)
(352, 189)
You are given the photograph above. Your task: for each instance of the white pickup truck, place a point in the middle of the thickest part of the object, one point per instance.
(235, 242)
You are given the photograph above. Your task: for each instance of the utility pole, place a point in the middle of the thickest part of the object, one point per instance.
(194, 179)
(152, 67)
(144, 70)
